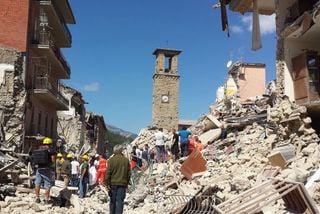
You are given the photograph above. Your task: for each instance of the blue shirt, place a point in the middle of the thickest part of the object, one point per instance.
(184, 134)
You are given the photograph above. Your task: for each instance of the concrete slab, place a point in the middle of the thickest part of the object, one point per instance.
(210, 136)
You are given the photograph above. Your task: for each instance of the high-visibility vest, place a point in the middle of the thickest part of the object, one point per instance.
(102, 165)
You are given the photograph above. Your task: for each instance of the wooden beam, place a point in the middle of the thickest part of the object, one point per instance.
(8, 166)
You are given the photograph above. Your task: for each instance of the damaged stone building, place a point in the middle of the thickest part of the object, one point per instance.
(245, 80)
(298, 30)
(32, 33)
(81, 131)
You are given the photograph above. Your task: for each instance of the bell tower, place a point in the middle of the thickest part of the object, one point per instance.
(165, 104)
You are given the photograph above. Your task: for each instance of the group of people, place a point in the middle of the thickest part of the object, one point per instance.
(53, 166)
(114, 173)
(92, 171)
(182, 144)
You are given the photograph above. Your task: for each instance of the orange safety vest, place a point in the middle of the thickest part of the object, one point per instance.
(102, 165)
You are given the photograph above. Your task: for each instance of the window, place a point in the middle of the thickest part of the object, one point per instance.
(167, 64)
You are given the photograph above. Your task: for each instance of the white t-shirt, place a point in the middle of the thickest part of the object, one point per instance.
(139, 153)
(160, 138)
(92, 175)
(74, 167)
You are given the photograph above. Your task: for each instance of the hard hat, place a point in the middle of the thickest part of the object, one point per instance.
(69, 155)
(59, 155)
(47, 140)
(86, 157)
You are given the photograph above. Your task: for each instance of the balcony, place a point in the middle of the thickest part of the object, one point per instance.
(61, 32)
(44, 46)
(66, 11)
(45, 91)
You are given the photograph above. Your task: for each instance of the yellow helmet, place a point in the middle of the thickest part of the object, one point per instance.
(47, 140)
(59, 155)
(86, 157)
(69, 155)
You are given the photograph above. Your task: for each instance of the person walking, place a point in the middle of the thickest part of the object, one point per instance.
(84, 176)
(117, 179)
(75, 172)
(102, 168)
(161, 151)
(44, 159)
(184, 139)
(175, 145)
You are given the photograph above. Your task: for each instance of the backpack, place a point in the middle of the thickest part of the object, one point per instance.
(40, 157)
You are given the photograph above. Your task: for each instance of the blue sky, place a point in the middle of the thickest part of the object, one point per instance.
(112, 62)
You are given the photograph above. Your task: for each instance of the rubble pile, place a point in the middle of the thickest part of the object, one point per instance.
(237, 163)
(23, 201)
(146, 135)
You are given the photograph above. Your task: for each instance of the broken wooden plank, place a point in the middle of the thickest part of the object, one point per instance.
(8, 166)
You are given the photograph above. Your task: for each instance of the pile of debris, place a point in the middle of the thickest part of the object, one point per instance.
(269, 146)
(63, 201)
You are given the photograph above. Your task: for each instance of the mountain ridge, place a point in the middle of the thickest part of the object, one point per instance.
(124, 133)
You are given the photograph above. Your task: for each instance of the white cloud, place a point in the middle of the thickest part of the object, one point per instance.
(92, 87)
(267, 23)
(236, 29)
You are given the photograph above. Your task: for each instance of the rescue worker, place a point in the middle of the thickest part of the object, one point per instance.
(84, 176)
(59, 163)
(45, 170)
(101, 171)
(66, 170)
(75, 170)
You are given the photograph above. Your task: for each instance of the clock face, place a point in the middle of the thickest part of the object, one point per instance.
(165, 98)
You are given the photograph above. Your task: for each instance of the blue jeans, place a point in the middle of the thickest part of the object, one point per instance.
(161, 154)
(184, 149)
(83, 187)
(44, 176)
(74, 180)
(117, 195)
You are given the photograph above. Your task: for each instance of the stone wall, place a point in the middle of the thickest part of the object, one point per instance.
(71, 129)
(12, 98)
(165, 114)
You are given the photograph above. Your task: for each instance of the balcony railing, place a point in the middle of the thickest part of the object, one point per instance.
(62, 21)
(44, 83)
(43, 37)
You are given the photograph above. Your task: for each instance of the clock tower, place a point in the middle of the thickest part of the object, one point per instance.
(165, 104)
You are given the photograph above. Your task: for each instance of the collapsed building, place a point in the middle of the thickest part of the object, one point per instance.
(261, 165)
(82, 132)
(34, 104)
(297, 58)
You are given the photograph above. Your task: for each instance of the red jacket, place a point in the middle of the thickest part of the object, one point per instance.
(102, 165)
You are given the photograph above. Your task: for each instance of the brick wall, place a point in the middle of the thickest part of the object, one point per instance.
(14, 23)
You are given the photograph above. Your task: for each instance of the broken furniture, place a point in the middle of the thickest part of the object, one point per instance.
(268, 172)
(293, 194)
(276, 159)
(195, 163)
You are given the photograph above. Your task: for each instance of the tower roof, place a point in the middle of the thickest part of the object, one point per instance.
(167, 51)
